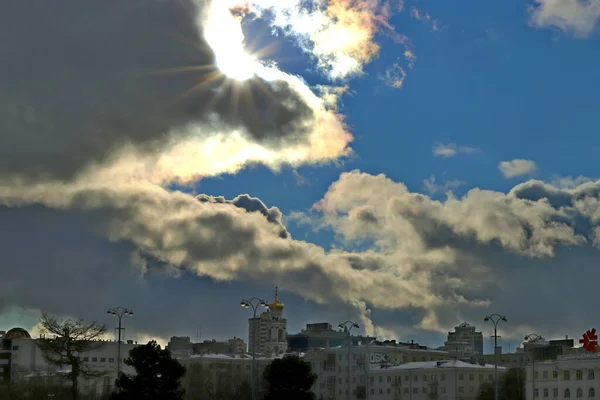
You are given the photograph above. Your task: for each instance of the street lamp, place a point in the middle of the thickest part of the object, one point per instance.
(347, 327)
(119, 312)
(495, 319)
(532, 338)
(254, 303)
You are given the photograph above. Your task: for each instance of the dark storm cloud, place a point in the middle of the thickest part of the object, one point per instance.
(75, 84)
(251, 204)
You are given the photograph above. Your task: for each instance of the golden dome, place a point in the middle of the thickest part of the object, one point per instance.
(17, 333)
(276, 305)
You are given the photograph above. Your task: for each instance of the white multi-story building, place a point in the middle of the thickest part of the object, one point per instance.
(267, 333)
(570, 376)
(335, 367)
(464, 342)
(223, 369)
(21, 357)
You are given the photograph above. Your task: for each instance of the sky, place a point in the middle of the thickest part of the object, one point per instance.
(407, 165)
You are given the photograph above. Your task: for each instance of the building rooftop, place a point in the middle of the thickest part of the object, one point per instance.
(438, 364)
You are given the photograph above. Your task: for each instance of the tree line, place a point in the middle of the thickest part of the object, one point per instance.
(157, 376)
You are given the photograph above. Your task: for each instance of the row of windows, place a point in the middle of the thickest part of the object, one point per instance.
(567, 375)
(424, 378)
(404, 358)
(566, 393)
(102, 359)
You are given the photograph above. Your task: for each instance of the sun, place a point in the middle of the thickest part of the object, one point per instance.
(224, 34)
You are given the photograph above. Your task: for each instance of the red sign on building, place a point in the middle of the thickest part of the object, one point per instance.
(590, 340)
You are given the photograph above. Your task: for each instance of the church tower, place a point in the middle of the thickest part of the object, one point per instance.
(276, 327)
(271, 329)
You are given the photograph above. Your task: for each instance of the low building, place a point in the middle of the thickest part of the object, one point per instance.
(22, 358)
(335, 365)
(223, 370)
(573, 375)
(323, 335)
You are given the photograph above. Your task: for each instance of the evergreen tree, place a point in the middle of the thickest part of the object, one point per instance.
(158, 375)
(289, 378)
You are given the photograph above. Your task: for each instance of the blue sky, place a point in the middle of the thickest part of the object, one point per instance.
(500, 94)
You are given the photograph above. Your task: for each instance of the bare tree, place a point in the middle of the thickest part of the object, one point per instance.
(67, 339)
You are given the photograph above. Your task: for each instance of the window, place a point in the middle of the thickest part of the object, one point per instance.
(461, 389)
(389, 391)
(471, 377)
(340, 380)
(354, 379)
(372, 380)
(490, 377)
(406, 378)
(480, 377)
(112, 360)
(566, 377)
(85, 358)
(545, 374)
(424, 378)
(103, 359)
(579, 374)
(536, 374)
(471, 389)
(372, 391)
(340, 357)
(416, 378)
(380, 379)
(443, 389)
(95, 359)
(546, 392)
(389, 379)
(406, 390)
(591, 374)
(555, 374)
(536, 393)
(443, 377)
(567, 392)
(555, 392)
(461, 376)
(15, 347)
(592, 392)
(380, 391)
(579, 393)
(354, 356)
(416, 390)
(424, 390)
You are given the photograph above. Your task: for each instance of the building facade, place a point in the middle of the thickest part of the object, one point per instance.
(22, 358)
(267, 333)
(335, 367)
(321, 334)
(570, 376)
(464, 342)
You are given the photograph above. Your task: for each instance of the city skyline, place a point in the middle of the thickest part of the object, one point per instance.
(408, 165)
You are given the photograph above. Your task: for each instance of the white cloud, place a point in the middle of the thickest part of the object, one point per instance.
(451, 149)
(432, 187)
(517, 167)
(571, 16)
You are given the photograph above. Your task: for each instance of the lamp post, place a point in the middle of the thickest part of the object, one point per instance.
(347, 327)
(254, 303)
(119, 312)
(495, 319)
(532, 338)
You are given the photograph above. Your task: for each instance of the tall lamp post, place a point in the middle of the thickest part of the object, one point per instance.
(495, 319)
(119, 312)
(347, 326)
(254, 303)
(532, 338)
